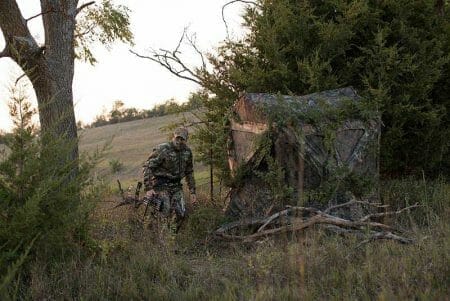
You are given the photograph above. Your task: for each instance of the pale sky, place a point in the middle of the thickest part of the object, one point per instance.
(119, 75)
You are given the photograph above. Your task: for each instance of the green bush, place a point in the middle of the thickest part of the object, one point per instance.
(115, 165)
(44, 205)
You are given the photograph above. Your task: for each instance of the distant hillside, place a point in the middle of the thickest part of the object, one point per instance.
(130, 144)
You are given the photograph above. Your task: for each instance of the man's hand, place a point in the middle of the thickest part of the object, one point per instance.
(151, 193)
(193, 199)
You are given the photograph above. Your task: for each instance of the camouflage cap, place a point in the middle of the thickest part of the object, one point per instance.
(181, 132)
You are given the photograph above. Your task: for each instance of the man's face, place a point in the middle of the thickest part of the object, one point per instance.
(179, 142)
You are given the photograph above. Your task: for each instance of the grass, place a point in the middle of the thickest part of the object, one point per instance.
(134, 259)
(150, 263)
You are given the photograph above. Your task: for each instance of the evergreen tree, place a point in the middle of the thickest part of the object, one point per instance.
(43, 212)
(394, 52)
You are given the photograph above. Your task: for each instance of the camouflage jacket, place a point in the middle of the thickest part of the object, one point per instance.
(166, 166)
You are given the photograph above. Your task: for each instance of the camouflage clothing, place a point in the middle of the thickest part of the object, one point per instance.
(163, 171)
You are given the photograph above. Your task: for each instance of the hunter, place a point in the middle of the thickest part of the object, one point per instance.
(165, 167)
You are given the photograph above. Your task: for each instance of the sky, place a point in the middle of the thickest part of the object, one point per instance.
(120, 75)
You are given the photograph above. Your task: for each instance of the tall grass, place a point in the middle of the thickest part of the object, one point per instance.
(150, 263)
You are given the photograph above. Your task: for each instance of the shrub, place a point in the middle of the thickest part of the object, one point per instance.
(115, 165)
(44, 206)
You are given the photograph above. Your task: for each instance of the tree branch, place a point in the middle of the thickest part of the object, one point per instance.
(191, 40)
(20, 44)
(163, 60)
(369, 216)
(354, 201)
(40, 14)
(171, 60)
(363, 228)
(79, 9)
(231, 2)
(5, 52)
(386, 235)
(89, 29)
(368, 237)
(19, 78)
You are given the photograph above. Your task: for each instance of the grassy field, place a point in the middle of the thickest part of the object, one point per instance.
(129, 145)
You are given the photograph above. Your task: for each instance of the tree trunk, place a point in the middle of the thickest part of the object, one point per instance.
(50, 68)
(440, 7)
(54, 91)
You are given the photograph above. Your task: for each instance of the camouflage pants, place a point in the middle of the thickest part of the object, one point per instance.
(172, 201)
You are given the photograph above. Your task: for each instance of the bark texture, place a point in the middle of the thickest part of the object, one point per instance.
(49, 67)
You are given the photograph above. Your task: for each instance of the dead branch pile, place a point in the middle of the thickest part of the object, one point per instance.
(295, 219)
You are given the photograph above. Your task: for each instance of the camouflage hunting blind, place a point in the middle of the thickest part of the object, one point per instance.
(313, 154)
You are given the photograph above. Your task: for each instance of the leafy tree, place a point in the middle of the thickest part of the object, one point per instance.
(115, 115)
(50, 67)
(395, 53)
(131, 114)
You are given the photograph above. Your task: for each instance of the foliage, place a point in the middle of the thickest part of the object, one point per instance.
(105, 23)
(211, 136)
(120, 113)
(43, 208)
(115, 165)
(395, 53)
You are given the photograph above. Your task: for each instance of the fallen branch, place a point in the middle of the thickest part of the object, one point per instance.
(364, 227)
(367, 217)
(387, 235)
(281, 213)
(368, 236)
(352, 202)
(239, 224)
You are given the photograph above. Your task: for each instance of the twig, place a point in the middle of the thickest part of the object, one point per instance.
(191, 40)
(229, 3)
(163, 60)
(41, 14)
(385, 235)
(171, 61)
(373, 235)
(284, 212)
(353, 201)
(83, 6)
(367, 217)
(299, 224)
(19, 78)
